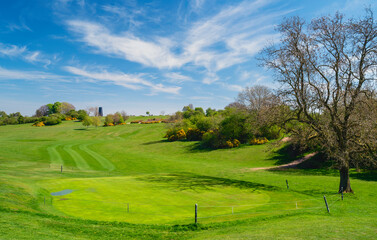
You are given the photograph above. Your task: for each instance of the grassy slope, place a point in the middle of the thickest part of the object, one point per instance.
(136, 156)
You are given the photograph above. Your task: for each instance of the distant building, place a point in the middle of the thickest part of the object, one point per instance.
(100, 111)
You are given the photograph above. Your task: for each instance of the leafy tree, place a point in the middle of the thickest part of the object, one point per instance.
(210, 112)
(81, 114)
(56, 108)
(109, 119)
(199, 110)
(117, 117)
(3, 114)
(65, 108)
(96, 121)
(326, 70)
(87, 121)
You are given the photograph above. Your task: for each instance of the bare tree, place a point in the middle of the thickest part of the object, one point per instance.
(257, 97)
(94, 111)
(124, 115)
(42, 111)
(327, 70)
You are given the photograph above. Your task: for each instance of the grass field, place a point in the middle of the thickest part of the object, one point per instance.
(128, 182)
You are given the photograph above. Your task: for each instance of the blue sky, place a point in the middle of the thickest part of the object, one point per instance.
(141, 56)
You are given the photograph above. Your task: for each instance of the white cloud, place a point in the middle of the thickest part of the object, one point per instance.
(176, 77)
(152, 54)
(231, 37)
(131, 81)
(232, 87)
(14, 51)
(245, 75)
(6, 74)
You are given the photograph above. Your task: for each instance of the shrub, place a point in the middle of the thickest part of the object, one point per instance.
(236, 126)
(38, 124)
(229, 144)
(236, 143)
(175, 134)
(258, 141)
(194, 134)
(54, 120)
(213, 139)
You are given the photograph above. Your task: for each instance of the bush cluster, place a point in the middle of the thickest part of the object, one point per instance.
(221, 129)
(258, 141)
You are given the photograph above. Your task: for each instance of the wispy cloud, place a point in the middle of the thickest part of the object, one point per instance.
(153, 54)
(230, 37)
(131, 81)
(175, 77)
(13, 51)
(8, 74)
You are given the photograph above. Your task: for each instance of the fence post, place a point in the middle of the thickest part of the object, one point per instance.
(327, 206)
(196, 213)
(61, 168)
(44, 200)
(232, 209)
(287, 183)
(296, 206)
(128, 207)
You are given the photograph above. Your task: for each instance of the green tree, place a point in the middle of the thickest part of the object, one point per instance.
(109, 119)
(56, 108)
(87, 121)
(81, 114)
(96, 121)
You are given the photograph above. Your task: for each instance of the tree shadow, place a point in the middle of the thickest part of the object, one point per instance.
(155, 142)
(81, 129)
(189, 181)
(284, 155)
(370, 175)
(197, 146)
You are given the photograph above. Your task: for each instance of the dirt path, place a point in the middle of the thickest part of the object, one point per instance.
(288, 165)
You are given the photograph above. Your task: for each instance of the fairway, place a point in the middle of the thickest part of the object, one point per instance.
(130, 174)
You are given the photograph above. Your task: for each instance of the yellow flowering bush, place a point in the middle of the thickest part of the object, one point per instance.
(229, 144)
(70, 118)
(258, 141)
(236, 143)
(194, 134)
(38, 124)
(174, 135)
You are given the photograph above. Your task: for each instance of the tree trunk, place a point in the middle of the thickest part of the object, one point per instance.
(345, 183)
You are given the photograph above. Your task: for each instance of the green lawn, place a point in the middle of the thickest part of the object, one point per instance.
(129, 182)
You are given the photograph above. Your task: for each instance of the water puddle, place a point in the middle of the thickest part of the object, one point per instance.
(63, 192)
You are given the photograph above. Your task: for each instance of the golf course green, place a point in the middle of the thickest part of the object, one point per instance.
(127, 182)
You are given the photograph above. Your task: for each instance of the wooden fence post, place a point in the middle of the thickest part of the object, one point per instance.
(196, 213)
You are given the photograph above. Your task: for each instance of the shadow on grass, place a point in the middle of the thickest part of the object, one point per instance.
(284, 155)
(366, 176)
(188, 181)
(81, 129)
(155, 142)
(197, 146)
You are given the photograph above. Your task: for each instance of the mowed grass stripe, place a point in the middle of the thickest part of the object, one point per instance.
(55, 157)
(91, 161)
(80, 161)
(67, 158)
(104, 162)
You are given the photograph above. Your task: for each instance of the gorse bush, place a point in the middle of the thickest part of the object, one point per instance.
(258, 141)
(194, 134)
